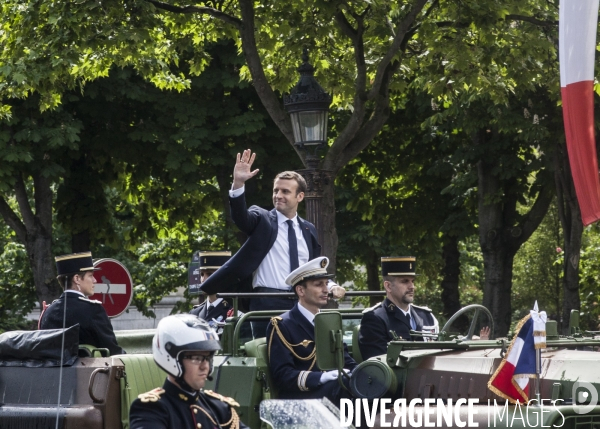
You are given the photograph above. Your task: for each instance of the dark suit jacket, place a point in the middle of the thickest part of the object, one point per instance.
(261, 227)
(377, 321)
(291, 374)
(220, 310)
(176, 408)
(94, 325)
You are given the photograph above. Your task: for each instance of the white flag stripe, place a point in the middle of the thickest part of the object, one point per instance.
(515, 352)
(578, 20)
(115, 288)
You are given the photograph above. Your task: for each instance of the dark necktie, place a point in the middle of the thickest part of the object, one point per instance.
(293, 246)
(407, 317)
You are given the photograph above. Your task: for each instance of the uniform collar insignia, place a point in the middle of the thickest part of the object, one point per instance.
(183, 397)
(151, 396)
(391, 307)
(230, 401)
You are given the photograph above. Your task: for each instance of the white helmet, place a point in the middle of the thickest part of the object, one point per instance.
(178, 333)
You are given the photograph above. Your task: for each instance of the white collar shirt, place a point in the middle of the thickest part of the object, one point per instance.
(413, 324)
(275, 267)
(306, 313)
(214, 303)
(75, 291)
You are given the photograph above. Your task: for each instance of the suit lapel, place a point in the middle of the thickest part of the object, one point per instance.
(308, 328)
(307, 237)
(398, 315)
(418, 319)
(204, 311)
(274, 228)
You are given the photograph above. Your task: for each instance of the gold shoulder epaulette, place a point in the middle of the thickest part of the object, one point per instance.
(151, 396)
(230, 401)
(93, 301)
(366, 310)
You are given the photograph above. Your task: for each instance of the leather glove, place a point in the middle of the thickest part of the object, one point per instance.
(328, 376)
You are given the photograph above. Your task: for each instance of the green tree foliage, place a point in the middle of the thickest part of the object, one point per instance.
(17, 297)
(143, 164)
(538, 270)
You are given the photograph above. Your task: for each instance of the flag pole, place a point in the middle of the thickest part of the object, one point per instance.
(538, 365)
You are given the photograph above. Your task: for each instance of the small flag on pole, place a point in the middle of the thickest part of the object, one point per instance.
(512, 378)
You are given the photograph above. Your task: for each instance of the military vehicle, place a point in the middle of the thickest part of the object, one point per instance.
(92, 390)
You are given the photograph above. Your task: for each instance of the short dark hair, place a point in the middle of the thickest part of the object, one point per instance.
(67, 279)
(302, 283)
(292, 175)
(388, 279)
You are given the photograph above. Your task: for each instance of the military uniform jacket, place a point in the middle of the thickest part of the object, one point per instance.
(174, 408)
(296, 373)
(379, 320)
(214, 312)
(94, 325)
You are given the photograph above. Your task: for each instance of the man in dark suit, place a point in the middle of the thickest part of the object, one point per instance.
(214, 310)
(76, 273)
(291, 339)
(396, 313)
(279, 241)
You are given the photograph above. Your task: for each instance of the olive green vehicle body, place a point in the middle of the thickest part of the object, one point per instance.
(96, 391)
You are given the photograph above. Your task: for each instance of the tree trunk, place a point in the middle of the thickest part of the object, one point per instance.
(501, 236)
(498, 264)
(570, 219)
(81, 242)
(451, 272)
(34, 231)
(330, 237)
(571, 300)
(373, 280)
(39, 251)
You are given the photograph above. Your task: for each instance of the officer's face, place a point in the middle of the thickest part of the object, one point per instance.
(204, 274)
(401, 290)
(195, 373)
(314, 295)
(86, 283)
(285, 196)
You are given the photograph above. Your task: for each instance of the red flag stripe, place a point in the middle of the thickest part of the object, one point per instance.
(578, 114)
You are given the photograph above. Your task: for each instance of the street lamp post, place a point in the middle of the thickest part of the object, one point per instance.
(308, 106)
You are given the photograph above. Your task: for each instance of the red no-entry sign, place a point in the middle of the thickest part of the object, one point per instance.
(114, 287)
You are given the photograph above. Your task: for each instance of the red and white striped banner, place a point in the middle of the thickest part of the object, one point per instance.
(577, 28)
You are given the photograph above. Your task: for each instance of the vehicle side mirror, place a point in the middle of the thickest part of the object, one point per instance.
(328, 340)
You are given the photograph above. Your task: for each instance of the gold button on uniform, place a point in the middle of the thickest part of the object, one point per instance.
(199, 426)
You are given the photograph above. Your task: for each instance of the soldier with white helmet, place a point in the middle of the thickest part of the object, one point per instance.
(184, 346)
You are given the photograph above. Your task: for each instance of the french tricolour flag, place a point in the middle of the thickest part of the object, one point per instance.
(577, 28)
(512, 378)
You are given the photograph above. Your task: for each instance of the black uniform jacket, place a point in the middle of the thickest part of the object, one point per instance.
(295, 377)
(379, 320)
(94, 325)
(220, 310)
(261, 227)
(174, 408)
